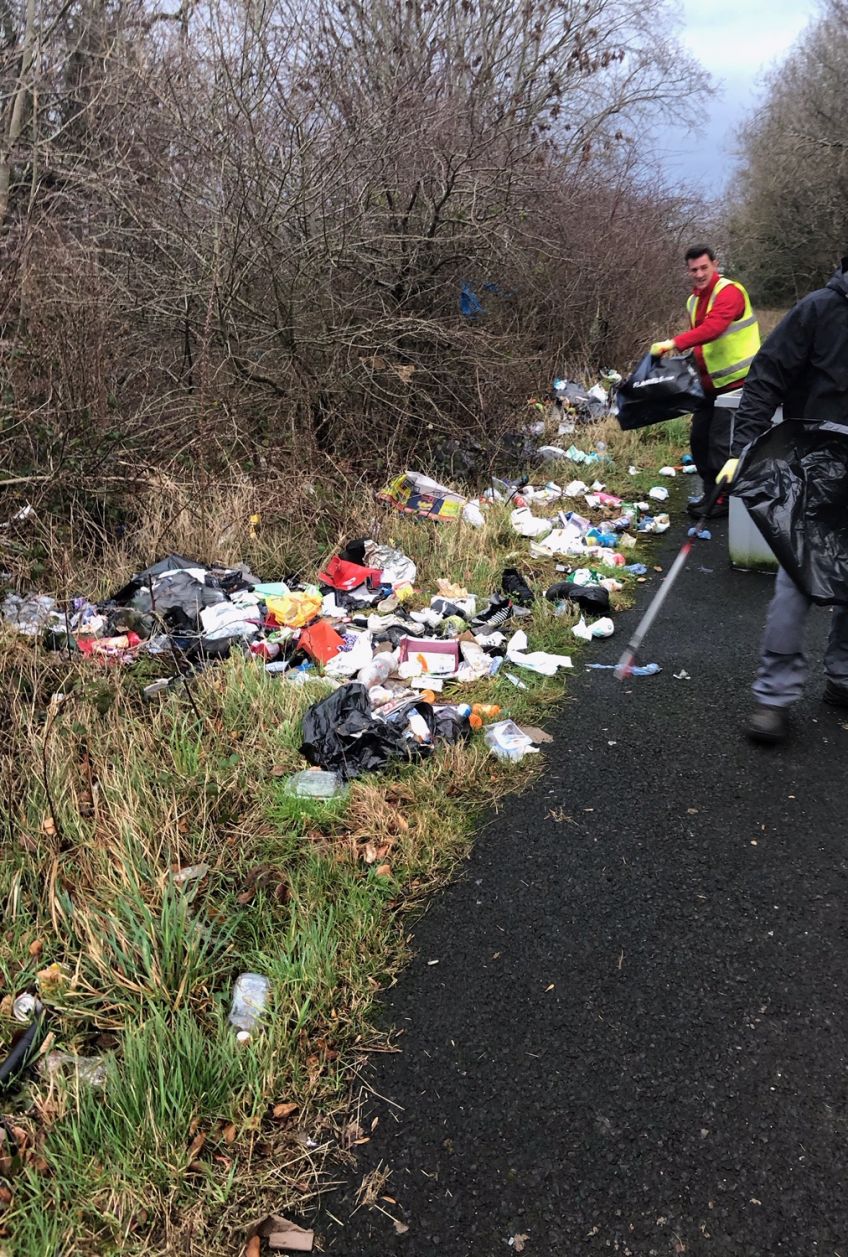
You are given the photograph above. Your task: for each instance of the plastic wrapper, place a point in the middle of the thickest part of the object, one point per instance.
(659, 389)
(296, 609)
(415, 494)
(794, 482)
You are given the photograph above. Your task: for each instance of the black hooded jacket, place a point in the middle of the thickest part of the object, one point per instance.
(802, 365)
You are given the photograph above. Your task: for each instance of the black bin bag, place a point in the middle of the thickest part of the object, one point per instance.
(794, 482)
(659, 389)
(341, 734)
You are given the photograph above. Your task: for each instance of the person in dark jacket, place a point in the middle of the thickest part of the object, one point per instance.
(803, 367)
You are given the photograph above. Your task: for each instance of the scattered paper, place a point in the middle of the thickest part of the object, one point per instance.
(282, 1234)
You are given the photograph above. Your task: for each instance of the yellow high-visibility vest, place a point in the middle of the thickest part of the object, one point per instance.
(728, 357)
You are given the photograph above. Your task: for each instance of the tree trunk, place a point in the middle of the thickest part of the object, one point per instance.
(17, 111)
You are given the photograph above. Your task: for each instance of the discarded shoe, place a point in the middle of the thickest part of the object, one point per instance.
(835, 694)
(515, 586)
(768, 724)
(591, 598)
(496, 614)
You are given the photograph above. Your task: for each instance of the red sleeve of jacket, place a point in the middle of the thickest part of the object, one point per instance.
(728, 305)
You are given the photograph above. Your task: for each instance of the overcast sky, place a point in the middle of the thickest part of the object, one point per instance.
(737, 40)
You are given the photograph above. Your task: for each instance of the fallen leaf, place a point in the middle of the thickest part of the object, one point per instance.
(282, 1111)
(48, 826)
(518, 1242)
(400, 1227)
(384, 870)
(5, 1196)
(196, 1145)
(246, 896)
(36, 947)
(229, 1133)
(52, 979)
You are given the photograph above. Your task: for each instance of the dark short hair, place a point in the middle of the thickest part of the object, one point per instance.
(698, 251)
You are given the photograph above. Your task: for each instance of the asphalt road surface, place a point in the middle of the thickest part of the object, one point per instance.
(635, 1039)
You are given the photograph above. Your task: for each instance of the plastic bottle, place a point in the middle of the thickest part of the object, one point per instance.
(378, 670)
(314, 783)
(250, 995)
(265, 649)
(418, 727)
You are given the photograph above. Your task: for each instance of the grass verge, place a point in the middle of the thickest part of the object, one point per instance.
(191, 1134)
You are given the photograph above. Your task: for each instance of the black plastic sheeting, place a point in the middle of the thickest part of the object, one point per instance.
(342, 734)
(659, 389)
(794, 482)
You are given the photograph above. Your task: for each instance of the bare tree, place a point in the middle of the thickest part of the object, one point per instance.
(252, 223)
(790, 219)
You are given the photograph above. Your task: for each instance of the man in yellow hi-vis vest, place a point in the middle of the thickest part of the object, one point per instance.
(725, 336)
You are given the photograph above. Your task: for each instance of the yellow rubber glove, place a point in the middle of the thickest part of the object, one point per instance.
(728, 471)
(661, 347)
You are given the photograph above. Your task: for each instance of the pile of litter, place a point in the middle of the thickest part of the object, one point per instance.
(396, 660)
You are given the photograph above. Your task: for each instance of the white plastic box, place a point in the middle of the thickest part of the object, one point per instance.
(747, 548)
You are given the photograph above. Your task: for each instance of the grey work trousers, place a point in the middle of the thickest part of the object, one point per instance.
(783, 667)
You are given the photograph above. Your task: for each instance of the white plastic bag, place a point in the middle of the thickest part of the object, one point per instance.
(540, 661)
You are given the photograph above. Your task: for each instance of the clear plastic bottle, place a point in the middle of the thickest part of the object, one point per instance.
(250, 996)
(378, 670)
(315, 783)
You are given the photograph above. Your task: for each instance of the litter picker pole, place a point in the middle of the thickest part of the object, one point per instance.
(624, 667)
